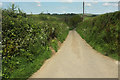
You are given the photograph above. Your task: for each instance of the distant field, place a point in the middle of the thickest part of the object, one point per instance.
(89, 16)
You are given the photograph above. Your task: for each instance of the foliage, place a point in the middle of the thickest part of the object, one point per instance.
(25, 37)
(75, 20)
(101, 33)
(54, 45)
(71, 19)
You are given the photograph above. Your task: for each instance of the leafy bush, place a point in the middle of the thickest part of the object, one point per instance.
(72, 20)
(102, 33)
(27, 38)
(75, 20)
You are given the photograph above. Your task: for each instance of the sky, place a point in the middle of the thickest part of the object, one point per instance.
(67, 6)
(59, 0)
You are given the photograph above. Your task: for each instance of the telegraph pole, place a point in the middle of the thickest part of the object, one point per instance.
(83, 9)
(119, 5)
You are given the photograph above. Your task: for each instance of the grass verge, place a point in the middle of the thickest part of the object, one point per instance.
(102, 33)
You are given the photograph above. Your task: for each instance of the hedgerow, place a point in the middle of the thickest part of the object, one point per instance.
(102, 33)
(25, 39)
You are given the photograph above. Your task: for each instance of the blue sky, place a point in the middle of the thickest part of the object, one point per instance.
(37, 7)
(59, 0)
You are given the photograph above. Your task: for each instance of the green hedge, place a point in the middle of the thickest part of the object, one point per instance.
(26, 40)
(102, 33)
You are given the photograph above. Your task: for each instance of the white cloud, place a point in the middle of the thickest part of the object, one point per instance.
(115, 4)
(69, 1)
(0, 4)
(110, 4)
(12, 2)
(88, 4)
(106, 4)
(64, 12)
(38, 3)
(109, 0)
(95, 2)
(59, 0)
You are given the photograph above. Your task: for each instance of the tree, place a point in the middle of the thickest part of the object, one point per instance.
(73, 22)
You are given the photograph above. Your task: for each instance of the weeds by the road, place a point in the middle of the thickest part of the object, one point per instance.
(102, 33)
(26, 69)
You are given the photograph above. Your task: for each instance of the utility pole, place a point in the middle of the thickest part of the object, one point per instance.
(119, 5)
(83, 9)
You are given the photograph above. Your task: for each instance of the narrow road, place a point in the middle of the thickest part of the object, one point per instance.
(76, 59)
